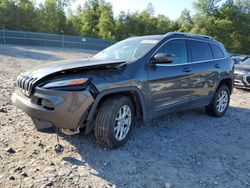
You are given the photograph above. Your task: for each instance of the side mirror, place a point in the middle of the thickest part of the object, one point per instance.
(161, 58)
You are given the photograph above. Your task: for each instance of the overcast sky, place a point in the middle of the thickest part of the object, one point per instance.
(170, 8)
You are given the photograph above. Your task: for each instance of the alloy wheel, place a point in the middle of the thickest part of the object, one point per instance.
(222, 101)
(122, 122)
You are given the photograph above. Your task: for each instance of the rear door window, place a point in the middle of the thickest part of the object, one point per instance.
(199, 51)
(217, 51)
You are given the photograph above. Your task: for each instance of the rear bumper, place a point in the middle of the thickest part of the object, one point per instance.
(48, 108)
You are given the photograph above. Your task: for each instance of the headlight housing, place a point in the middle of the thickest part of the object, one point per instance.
(246, 78)
(69, 84)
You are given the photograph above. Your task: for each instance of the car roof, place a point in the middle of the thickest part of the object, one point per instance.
(150, 37)
(204, 38)
(180, 35)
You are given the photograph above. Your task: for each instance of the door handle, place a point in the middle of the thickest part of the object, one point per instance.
(217, 66)
(187, 70)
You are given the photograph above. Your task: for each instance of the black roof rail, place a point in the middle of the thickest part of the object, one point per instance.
(189, 35)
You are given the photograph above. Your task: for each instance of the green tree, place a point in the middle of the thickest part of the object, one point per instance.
(207, 7)
(106, 21)
(17, 14)
(185, 21)
(228, 23)
(164, 24)
(142, 23)
(52, 16)
(90, 18)
(120, 29)
(74, 22)
(233, 22)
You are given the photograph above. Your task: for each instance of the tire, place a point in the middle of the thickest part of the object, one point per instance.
(109, 122)
(213, 108)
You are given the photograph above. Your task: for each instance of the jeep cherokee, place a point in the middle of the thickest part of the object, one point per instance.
(137, 78)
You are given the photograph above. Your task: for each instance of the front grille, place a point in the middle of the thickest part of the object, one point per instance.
(25, 84)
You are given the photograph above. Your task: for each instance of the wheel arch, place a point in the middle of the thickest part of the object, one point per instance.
(133, 93)
(228, 82)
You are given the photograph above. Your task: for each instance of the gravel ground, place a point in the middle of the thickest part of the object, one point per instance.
(185, 149)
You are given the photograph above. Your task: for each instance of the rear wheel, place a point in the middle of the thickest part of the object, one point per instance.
(220, 102)
(114, 121)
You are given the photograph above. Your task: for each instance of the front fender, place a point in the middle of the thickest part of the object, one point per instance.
(90, 117)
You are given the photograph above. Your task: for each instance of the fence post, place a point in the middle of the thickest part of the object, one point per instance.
(45, 40)
(4, 39)
(25, 40)
(62, 39)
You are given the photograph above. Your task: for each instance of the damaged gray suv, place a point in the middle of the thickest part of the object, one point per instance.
(139, 78)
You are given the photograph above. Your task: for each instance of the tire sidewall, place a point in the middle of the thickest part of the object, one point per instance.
(111, 134)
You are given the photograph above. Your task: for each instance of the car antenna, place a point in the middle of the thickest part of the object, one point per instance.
(58, 147)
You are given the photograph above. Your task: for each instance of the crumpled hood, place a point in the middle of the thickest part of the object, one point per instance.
(59, 66)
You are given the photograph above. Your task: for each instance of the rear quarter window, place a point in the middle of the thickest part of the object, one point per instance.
(199, 51)
(217, 52)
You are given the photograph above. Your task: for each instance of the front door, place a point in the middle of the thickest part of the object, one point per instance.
(170, 86)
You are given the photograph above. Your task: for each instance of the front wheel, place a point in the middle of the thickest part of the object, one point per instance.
(114, 121)
(220, 102)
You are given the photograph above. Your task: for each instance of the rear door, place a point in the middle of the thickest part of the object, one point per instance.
(204, 70)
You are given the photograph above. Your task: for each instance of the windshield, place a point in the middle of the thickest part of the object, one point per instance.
(128, 50)
(247, 62)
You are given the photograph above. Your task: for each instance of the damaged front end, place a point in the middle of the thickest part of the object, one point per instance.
(60, 98)
(48, 108)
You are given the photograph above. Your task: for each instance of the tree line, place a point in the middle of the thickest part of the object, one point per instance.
(227, 21)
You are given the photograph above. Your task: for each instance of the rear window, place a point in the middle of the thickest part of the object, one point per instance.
(217, 51)
(200, 51)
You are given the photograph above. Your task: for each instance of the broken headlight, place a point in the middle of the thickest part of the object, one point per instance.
(69, 84)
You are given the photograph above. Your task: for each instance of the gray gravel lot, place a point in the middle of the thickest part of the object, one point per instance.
(185, 149)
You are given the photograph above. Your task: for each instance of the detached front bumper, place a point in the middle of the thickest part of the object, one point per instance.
(48, 108)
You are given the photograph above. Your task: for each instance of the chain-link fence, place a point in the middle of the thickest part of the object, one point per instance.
(52, 40)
